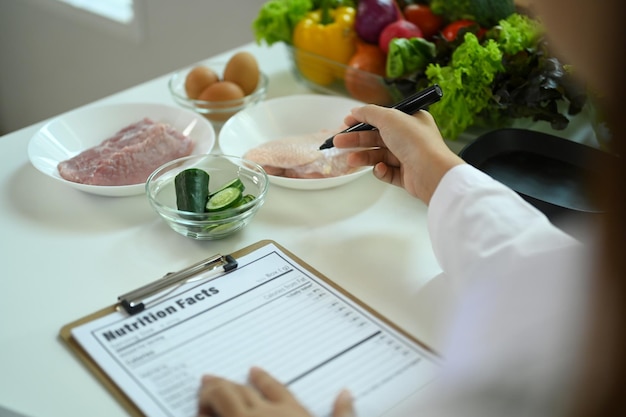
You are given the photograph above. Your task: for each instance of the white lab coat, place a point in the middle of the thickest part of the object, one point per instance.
(515, 336)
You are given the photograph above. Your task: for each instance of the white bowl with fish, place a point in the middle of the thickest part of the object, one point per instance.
(284, 134)
(111, 150)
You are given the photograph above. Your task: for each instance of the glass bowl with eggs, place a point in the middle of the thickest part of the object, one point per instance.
(217, 89)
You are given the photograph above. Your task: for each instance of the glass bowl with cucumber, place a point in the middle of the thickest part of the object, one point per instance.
(208, 196)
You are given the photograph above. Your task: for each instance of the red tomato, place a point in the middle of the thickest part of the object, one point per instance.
(421, 16)
(452, 30)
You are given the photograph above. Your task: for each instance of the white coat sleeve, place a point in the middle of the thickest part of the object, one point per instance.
(473, 218)
(511, 344)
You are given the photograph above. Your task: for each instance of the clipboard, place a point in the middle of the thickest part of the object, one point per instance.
(67, 337)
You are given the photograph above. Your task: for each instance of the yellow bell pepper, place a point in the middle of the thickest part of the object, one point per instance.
(322, 39)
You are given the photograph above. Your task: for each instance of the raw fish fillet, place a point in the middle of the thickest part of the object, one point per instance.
(300, 157)
(129, 157)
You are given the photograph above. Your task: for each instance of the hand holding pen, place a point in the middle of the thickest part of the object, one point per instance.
(409, 105)
(404, 150)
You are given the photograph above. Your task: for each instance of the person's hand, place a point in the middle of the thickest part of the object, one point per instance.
(266, 397)
(407, 151)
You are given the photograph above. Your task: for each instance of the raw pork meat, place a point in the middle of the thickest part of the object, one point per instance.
(300, 157)
(129, 157)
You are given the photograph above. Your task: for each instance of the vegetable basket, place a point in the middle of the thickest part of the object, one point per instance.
(493, 69)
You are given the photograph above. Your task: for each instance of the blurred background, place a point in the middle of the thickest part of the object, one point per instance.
(60, 54)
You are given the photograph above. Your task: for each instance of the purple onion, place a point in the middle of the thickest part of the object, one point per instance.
(372, 16)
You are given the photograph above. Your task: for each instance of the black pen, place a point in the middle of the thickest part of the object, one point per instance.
(409, 105)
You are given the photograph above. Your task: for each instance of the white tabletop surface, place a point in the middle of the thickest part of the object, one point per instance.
(66, 253)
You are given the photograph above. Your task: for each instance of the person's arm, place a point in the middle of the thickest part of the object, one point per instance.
(471, 216)
(481, 228)
(511, 338)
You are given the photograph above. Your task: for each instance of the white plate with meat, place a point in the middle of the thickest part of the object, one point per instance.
(283, 135)
(111, 150)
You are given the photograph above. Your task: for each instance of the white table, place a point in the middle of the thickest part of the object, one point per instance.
(65, 254)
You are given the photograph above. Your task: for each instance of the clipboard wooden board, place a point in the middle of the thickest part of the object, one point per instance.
(67, 337)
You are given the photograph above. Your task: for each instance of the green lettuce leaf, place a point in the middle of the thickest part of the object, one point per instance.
(517, 33)
(466, 84)
(277, 19)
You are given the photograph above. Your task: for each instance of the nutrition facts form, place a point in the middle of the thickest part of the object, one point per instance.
(269, 312)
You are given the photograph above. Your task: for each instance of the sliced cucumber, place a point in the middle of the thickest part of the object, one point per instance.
(225, 228)
(245, 199)
(234, 183)
(226, 198)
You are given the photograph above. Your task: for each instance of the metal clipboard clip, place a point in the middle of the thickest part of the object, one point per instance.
(133, 302)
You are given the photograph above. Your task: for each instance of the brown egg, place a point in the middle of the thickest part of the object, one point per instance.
(243, 69)
(221, 94)
(198, 79)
